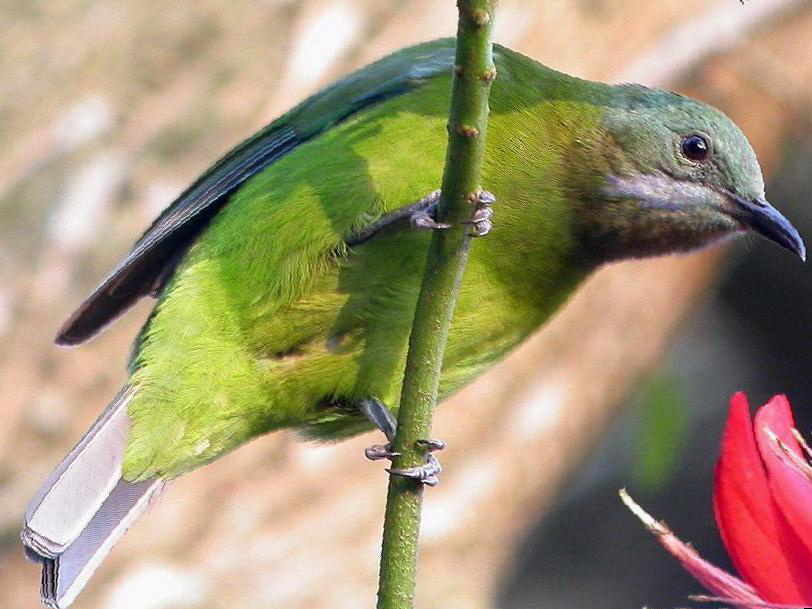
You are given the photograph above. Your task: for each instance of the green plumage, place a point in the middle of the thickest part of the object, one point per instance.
(270, 320)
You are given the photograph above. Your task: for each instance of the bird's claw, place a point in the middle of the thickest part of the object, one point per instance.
(425, 216)
(432, 444)
(427, 474)
(376, 452)
(482, 200)
(424, 221)
(480, 221)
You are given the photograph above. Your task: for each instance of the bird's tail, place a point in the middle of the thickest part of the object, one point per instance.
(84, 507)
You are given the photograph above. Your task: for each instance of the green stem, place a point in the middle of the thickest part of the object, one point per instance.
(467, 125)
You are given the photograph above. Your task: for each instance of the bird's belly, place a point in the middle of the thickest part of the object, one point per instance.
(352, 337)
(249, 337)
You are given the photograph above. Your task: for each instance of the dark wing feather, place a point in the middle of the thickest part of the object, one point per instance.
(154, 256)
(150, 264)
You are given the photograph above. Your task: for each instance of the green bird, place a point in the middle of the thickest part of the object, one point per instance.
(286, 276)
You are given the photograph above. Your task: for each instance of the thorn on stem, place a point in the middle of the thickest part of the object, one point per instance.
(467, 131)
(489, 75)
(481, 17)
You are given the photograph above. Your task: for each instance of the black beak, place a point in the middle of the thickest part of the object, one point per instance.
(762, 218)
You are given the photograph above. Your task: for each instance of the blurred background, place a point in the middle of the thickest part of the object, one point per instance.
(109, 109)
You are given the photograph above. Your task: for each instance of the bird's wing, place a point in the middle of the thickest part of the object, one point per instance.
(151, 262)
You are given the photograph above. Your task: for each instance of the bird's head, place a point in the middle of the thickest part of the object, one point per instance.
(677, 174)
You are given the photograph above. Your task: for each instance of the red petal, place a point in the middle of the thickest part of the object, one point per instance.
(714, 579)
(791, 490)
(746, 515)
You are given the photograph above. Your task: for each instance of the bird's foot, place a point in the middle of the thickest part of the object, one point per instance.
(480, 222)
(380, 416)
(376, 452)
(377, 412)
(425, 214)
(428, 474)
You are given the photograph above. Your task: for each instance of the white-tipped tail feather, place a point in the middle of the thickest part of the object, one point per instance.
(84, 507)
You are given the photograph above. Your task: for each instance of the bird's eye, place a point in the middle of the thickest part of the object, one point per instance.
(696, 148)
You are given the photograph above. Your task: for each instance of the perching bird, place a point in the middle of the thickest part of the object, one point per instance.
(278, 306)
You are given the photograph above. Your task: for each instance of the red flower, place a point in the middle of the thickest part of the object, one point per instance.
(762, 500)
